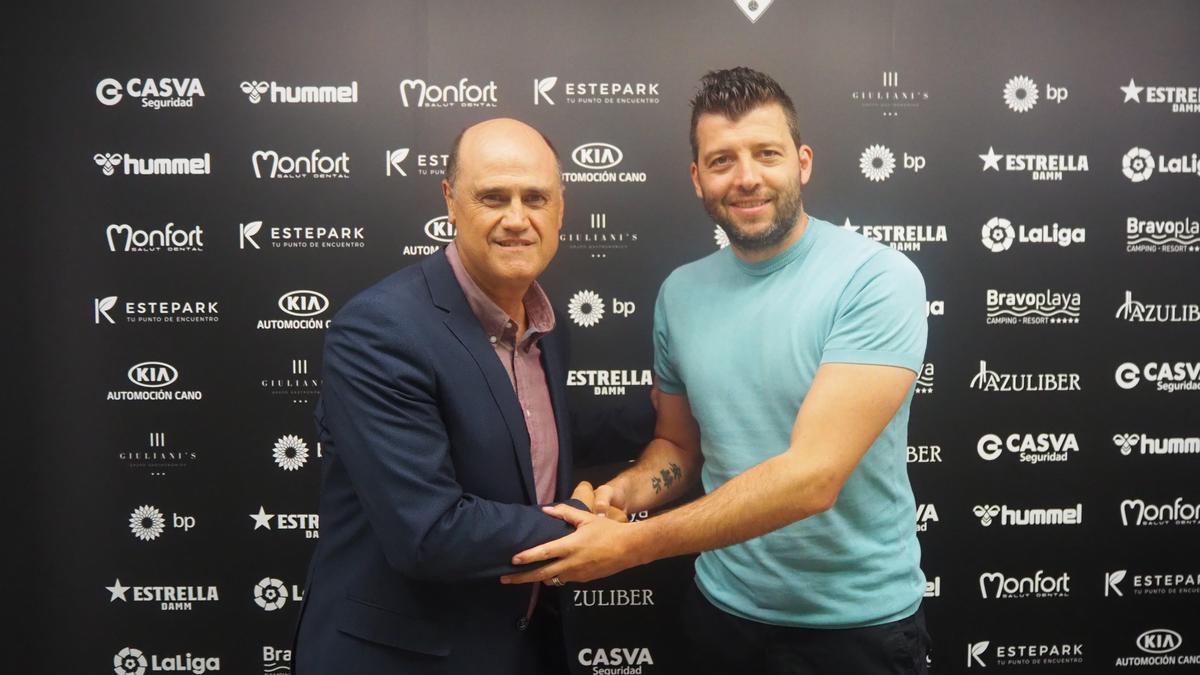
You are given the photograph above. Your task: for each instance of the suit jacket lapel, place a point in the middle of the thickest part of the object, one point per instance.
(447, 295)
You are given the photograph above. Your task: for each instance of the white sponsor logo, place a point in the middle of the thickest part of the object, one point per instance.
(168, 598)
(1144, 312)
(999, 586)
(1021, 94)
(303, 304)
(1010, 517)
(609, 382)
(1167, 236)
(596, 92)
(1159, 641)
(1138, 164)
(148, 523)
(307, 236)
(924, 383)
(610, 597)
(1039, 167)
(753, 9)
(463, 94)
(1160, 644)
(152, 166)
(154, 377)
(290, 452)
(926, 514)
(154, 93)
(123, 238)
(297, 385)
(975, 652)
(615, 656)
(890, 98)
(314, 165)
(998, 234)
(1023, 654)
(1136, 513)
(1181, 99)
(1151, 584)
(280, 93)
(990, 380)
(157, 458)
(153, 374)
(158, 311)
(935, 308)
(271, 594)
(276, 661)
(901, 237)
(924, 454)
(1167, 377)
(586, 308)
(440, 229)
(722, 238)
(541, 90)
(933, 587)
(309, 523)
(598, 158)
(1032, 307)
(394, 161)
(1147, 445)
(878, 163)
(133, 661)
(1031, 448)
(598, 241)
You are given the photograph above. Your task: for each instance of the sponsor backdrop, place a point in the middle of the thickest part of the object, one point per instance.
(208, 186)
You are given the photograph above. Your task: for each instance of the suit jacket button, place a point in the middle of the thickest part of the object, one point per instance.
(523, 623)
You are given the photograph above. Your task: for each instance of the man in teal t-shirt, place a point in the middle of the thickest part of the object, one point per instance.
(785, 368)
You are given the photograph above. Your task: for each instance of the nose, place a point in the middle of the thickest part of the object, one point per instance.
(515, 215)
(746, 176)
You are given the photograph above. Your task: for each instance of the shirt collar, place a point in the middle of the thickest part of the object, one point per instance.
(539, 315)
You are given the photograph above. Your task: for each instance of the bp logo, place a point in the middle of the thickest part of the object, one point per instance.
(1020, 94)
(291, 452)
(270, 594)
(586, 308)
(998, 235)
(1138, 165)
(721, 237)
(129, 661)
(147, 523)
(877, 163)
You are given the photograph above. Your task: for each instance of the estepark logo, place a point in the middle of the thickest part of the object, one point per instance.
(609, 382)
(155, 378)
(890, 97)
(1158, 647)
(303, 304)
(998, 234)
(901, 237)
(999, 586)
(154, 93)
(315, 165)
(1136, 311)
(123, 238)
(152, 166)
(598, 158)
(280, 93)
(1010, 517)
(1023, 654)
(1147, 445)
(1137, 513)
(297, 385)
(251, 237)
(1139, 165)
(598, 241)
(461, 95)
(1181, 99)
(1166, 236)
(168, 598)
(157, 458)
(753, 9)
(613, 597)
(586, 308)
(1032, 307)
(133, 661)
(924, 454)
(1039, 167)
(154, 311)
(271, 594)
(1031, 448)
(308, 523)
(990, 380)
(924, 383)
(1171, 583)
(1167, 376)
(926, 514)
(290, 452)
(878, 163)
(394, 161)
(147, 523)
(615, 660)
(607, 93)
(1021, 94)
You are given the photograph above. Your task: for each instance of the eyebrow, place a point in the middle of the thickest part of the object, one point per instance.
(485, 189)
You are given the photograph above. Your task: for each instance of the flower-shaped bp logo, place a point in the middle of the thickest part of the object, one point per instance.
(1138, 165)
(877, 163)
(586, 308)
(1020, 94)
(147, 523)
(270, 594)
(998, 235)
(129, 661)
(254, 90)
(107, 162)
(986, 513)
(291, 452)
(721, 237)
(1125, 442)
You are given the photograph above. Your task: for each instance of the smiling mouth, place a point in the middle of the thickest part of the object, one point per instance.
(513, 243)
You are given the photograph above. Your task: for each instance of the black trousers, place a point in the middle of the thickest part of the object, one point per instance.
(723, 643)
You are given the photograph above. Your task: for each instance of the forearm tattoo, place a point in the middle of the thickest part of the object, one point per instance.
(666, 478)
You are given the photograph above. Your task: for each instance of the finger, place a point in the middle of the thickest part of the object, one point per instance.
(613, 513)
(543, 573)
(547, 551)
(604, 495)
(573, 516)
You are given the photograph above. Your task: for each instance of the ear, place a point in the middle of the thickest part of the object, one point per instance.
(696, 180)
(448, 195)
(805, 154)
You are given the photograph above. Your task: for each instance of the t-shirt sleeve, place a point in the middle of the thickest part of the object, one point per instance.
(667, 377)
(881, 315)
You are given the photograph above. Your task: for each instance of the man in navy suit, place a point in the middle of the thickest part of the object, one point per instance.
(443, 416)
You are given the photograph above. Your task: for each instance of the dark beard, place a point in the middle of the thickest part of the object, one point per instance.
(787, 215)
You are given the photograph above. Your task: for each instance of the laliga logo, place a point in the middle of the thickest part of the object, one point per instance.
(998, 235)
(130, 661)
(985, 514)
(1125, 441)
(1128, 375)
(597, 156)
(254, 90)
(1138, 165)
(541, 90)
(107, 162)
(270, 594)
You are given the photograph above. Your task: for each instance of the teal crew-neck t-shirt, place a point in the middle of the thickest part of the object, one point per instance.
(743, 342)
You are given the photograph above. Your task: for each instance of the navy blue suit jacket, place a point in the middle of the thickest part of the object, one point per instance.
(427, 487)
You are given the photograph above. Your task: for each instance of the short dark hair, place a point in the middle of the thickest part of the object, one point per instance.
(452, 161)
(734, 92)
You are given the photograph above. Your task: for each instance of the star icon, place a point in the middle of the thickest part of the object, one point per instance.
(262, 518)
(1132, 92)
(991, 160)
(117, 590)
(852, 228)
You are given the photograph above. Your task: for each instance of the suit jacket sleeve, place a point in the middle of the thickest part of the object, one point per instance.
(380, 404)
